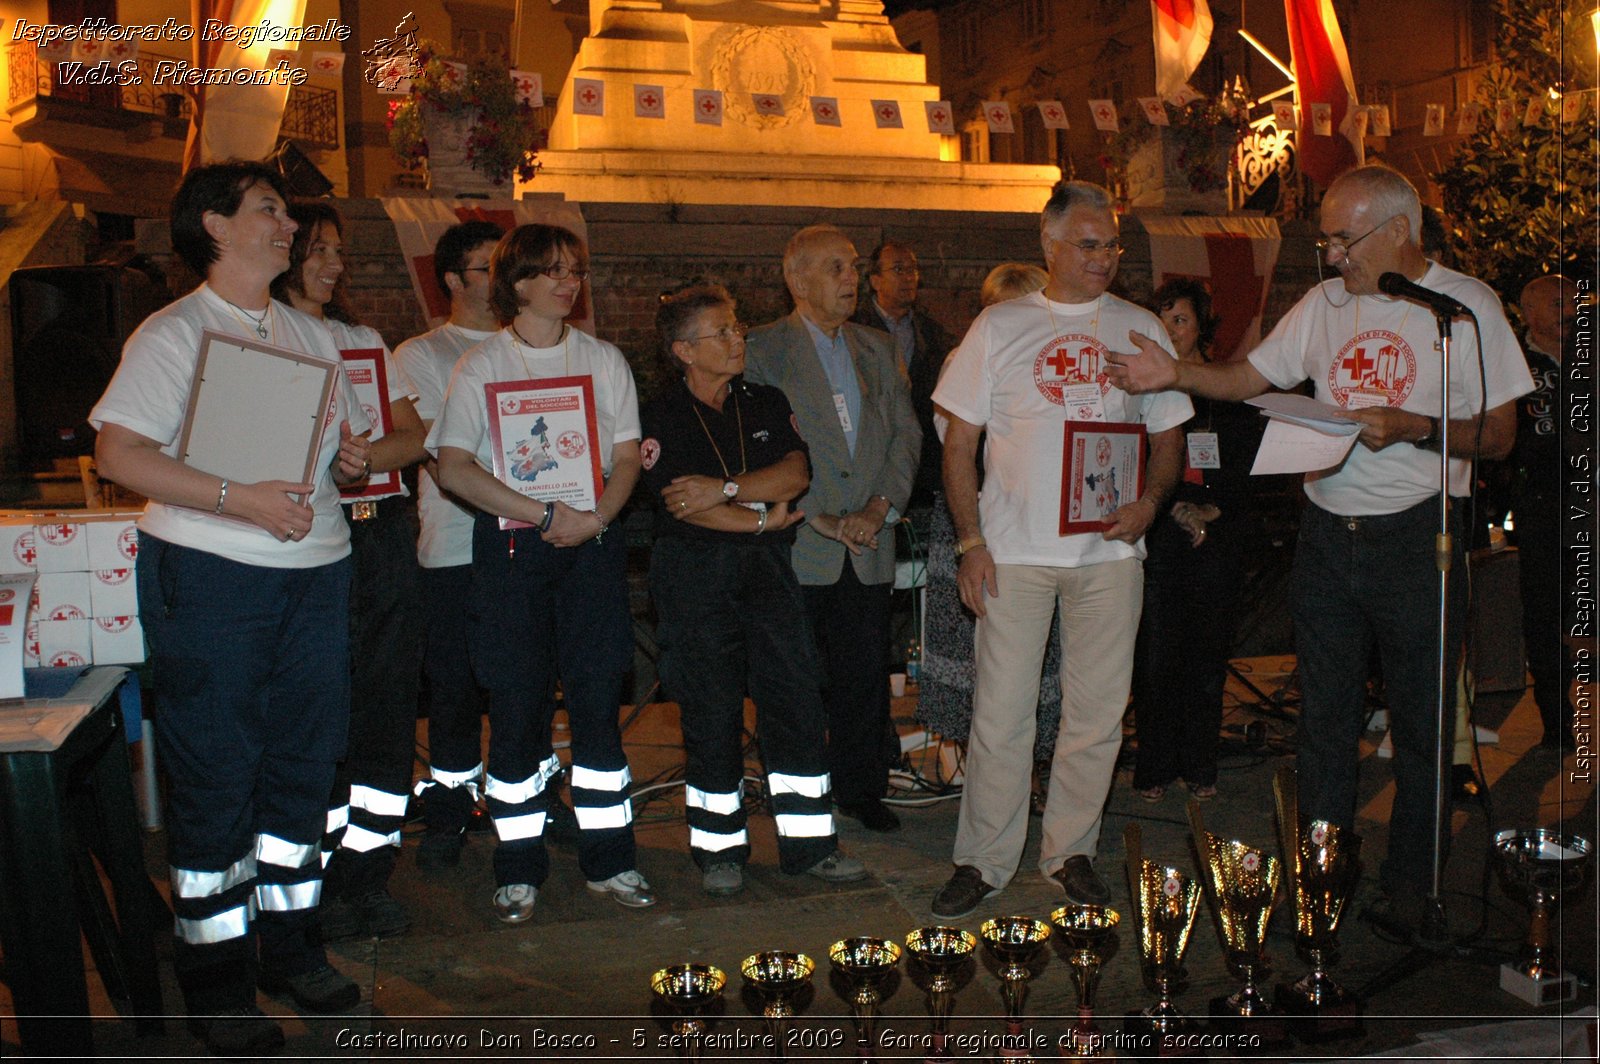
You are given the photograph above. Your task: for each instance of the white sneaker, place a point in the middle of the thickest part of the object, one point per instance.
(629, 888)
(513, 903)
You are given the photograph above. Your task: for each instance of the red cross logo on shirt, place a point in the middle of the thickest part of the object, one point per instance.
(1357, 364)
(1376, 368)
(1071, 359)
(587, 95)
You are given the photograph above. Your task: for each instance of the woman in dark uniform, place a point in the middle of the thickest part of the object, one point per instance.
(724, 459)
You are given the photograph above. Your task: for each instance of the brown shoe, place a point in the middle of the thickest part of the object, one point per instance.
(961, 895)
(1081, 882)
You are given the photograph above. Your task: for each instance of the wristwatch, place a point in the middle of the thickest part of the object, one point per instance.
(730, 489)
(970, 544)
(1431, 440)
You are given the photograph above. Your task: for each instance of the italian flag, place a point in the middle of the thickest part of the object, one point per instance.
(1182, 35)
(1322, 75)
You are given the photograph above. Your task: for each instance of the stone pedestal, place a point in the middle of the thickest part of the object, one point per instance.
(449, 173)
(1158, 172)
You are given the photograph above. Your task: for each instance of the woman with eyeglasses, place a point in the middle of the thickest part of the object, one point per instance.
(547, 603)
(725, 459)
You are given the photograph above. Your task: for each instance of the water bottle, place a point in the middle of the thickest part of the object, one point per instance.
(913, 660)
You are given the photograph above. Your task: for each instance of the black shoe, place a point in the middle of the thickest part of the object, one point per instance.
(381, 915)
(961, 895)
(440, 849)
(873, 814)
(339, 919)
(1081, 882)
(245, 1031)
(322, 989)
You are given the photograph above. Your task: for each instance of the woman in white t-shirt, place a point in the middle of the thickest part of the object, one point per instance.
(244, 595)
(549, 602)
(368, 807)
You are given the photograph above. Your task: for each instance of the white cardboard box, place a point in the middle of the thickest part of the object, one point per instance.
(62, 543)
(30, 646)
(65, 643)
(113, 593)
(113, 539)
(63, 597)
(117, 641)
(17, 554)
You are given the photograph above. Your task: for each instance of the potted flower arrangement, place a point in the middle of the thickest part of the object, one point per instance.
(464, 124)
(1184, 164)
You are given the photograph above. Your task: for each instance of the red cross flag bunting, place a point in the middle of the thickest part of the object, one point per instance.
(1382, 125)
(825, 110)
(1234, 256)
(1322, 119)
(327, 64)
(88, 49)
(1104, 113)
(121, 51)
(1505, 116)
(708, 107)
(1534, 111)
(456, 72)
(767, 103)
(1467, 120)
(649, 101)
(1185, 95)
(941, 116)
(1155, 112)
(1052, 114)
(529, 87)
(998, 114)
(887, 114)
(1283, 115)
(1433, 125)
(1571, 107)
(289, 58)
(588, 96)
(1361, 117)
(57, 50)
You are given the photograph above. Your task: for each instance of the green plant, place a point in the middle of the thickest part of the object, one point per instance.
(1522, 202)
(504, 137)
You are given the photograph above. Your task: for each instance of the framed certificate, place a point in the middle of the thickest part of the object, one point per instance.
(256, 412)
(370, 379)
(543, 438)
(1102, 468)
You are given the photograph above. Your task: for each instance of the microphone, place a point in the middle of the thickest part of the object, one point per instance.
(1396, 284)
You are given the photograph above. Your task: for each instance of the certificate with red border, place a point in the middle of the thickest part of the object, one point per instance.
(1102, 468)
(370, 379)
(543, 438)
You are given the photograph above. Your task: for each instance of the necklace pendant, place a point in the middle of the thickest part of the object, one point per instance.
(261, 329)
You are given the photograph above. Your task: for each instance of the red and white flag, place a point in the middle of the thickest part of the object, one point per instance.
(88, 50)
(767, 103)
(588, 96)
(825, 111)
(1322, 119)
(1283, 116)
(649, 102)
(455, 72)
(288, 58)
(1433, 124)
(1053, 114)
(529, 87)
(1322, 75)
(57, 50)
(1235, 256)
(1534, 111)
(1363, 116)
(887, 114)
(941, 116)
(1186, 95)
(1505, 116)
(121, 51)
(1155, 112)
(1105, 115)
(1571, 107)
(1382, 124)
(1182, 30)
(327, 64)
(1467, 120)
(708, 107)
(998, 114)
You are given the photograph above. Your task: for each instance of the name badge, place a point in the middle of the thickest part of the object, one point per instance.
(1203, 452)
(1084, 402)
(843, 409)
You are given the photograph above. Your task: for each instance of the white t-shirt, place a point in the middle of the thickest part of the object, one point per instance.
(1379, 351)
(1010, 376)
(366, 338)
(428, 360)
(149, 395)
(464, 420)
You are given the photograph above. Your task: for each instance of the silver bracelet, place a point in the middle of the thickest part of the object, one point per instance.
(604, 524)
(761, 521)
(222, 496)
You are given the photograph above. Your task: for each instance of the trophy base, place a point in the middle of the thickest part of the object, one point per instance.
(1268, 1028)
(1316, 1022)
(1156, 1036)
(1538, 990)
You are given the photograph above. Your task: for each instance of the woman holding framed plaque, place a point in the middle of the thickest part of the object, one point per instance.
(244, 593)
(367, 810)
(724, 459)
(540, 432)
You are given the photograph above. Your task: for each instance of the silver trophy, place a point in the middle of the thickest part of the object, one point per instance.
(1541, 866)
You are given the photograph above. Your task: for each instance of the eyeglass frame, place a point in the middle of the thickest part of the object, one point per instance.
(1116, 247)
(560, 271)
(900, 270)
(726, 333)
(1326, 244)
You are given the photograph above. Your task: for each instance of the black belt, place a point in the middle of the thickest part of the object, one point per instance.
(367, 509)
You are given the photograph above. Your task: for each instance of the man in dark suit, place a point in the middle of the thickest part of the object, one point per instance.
(921, 345)
(853, 408)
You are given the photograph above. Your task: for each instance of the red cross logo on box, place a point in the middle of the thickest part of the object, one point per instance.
(24, 550)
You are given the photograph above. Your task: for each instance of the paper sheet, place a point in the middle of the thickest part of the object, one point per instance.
(1288, 447)
(1303, 410)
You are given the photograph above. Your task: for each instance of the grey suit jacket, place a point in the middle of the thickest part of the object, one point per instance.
(888, 439)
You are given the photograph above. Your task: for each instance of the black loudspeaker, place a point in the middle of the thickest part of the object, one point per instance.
(68, 325)
(1496, 623)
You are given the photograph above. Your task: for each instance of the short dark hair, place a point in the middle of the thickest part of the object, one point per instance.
(523, 252)
(310, 215)
(1199, 298)
(878, 252)
(679, 308)
(450, 253)
(219, 187)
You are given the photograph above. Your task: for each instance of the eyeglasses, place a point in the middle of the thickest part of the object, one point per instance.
(1093, 247)
(726, 334)
(902, 270)
(560, 271)
(473, 269)
(1333, 243)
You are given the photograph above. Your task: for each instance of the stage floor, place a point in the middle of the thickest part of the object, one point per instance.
(573, 983)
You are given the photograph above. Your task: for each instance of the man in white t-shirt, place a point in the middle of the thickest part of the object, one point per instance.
(444, 549)
(1365, 568)
(1026, 370)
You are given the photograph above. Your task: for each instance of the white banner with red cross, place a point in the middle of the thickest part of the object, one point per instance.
(419, 222)
(1234, 257)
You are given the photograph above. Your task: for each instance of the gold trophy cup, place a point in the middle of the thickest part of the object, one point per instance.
(866, 963)
(1086, 929)
(778, 977)
(688, 989)
(1015, 941)
(940, 951)
(1541, 866)
(1165, 903)
(1324, 867)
